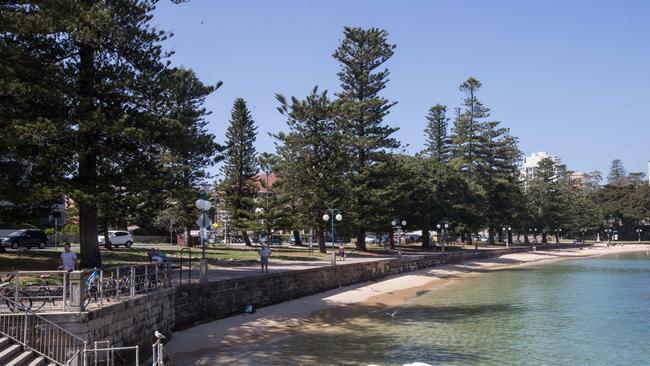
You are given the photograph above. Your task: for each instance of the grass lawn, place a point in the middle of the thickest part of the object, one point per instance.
(48, 259)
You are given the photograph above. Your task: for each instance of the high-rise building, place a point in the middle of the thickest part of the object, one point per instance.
(531, 162)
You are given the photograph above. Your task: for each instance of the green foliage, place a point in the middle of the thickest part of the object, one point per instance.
(438, 144)
(70, 229)
(239, 169)
(361, 111)
(312, 161)
(89, 112)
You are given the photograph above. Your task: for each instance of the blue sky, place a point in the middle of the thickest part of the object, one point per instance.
(567, 77)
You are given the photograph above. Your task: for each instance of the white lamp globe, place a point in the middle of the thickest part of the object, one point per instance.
(326, 217)
(438, 226)
(339, 217)
(446, 226)
(199, 204)
(394, 223)
(403, 222)
(206, 205)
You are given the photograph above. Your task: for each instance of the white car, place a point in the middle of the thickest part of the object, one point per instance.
(371, 239)
(117, 238)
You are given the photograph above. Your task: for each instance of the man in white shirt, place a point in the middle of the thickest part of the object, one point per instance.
(265, 252)
(68, 258)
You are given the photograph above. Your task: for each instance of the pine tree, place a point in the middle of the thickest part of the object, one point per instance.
(616, 172)
(438, 144)
(312, 165)
(87, 91)
(466, 139)
(362, 110)
(240, 168)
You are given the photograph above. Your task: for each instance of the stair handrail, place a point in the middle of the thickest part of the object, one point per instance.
(11, 327)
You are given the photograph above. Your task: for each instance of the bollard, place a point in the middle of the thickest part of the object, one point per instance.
(77, 292)
(534, 248)
(333, 259)
(167, 276)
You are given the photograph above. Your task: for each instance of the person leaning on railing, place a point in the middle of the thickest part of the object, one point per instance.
(68, 258)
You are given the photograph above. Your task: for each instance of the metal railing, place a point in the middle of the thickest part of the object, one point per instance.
(52, 291)
(40, 335)
(116, 283)
(36, 290)
(107, 356)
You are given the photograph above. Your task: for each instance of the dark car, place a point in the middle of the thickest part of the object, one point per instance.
(274, 240)
(25, 238)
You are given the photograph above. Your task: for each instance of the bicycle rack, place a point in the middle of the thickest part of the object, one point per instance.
(189, 271)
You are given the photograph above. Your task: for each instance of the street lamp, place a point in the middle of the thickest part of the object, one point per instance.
(638, 232)
(397, 225)
(442, 228)
(332, 213)
(583, 231)
(203, 205)
(507, 231)
(534, 233)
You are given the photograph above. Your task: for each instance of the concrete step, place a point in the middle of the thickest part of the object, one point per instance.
(9, 353)
(4, 343)
(22, 359)
(38, 361)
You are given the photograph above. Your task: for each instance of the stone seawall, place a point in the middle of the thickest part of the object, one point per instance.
(199, 303)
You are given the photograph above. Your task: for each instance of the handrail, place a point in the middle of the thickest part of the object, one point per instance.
(40, 335)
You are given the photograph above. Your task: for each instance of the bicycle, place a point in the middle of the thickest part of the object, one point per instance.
(9, 293)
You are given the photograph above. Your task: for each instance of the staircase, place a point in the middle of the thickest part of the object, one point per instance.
(13, 354)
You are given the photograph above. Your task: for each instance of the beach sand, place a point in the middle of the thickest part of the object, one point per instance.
(238, 340)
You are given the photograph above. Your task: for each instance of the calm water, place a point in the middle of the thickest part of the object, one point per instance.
(579, 312)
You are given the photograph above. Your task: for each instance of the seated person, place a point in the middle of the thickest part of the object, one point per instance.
(157, 256)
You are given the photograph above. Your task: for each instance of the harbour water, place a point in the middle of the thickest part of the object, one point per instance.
(592, 311)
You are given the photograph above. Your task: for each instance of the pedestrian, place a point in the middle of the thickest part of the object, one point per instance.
(265, 253)
(68, 258)
(342, 252)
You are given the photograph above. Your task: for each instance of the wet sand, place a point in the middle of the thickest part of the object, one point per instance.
(238, 340)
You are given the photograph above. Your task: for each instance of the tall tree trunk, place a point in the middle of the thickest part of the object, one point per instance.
(361, 241)
(469, 241)
(526, 241)
(296, 237)
(544, 241)
(247, 240)
(320, 237)
(107, 240)
(90, 255)
(557, 238)
(490, 236)
(188, 237)
(509, 234)
(426, 239)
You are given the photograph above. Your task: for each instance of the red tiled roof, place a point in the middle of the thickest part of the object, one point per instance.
(261, 180)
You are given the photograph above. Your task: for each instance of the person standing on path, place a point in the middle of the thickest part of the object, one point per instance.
(68, 258)
(265, 253)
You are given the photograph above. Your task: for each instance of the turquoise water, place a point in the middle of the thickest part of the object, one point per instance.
(580, 312)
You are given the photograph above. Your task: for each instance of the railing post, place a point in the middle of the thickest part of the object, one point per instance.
(167, 276)
(17, 287)
(132, 281)
(25, 327)
(77, 293)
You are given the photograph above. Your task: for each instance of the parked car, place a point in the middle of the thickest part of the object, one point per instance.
(274, 240)
(371, 239)
(117, 238)
(25, 238)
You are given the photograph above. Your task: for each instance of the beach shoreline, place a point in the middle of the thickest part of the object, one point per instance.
(229, 340)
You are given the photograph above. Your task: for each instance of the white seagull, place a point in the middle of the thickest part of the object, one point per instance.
(159, 335)
(392, 315)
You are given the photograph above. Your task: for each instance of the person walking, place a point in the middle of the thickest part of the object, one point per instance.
(265, 253)
(68, 258)
(342, 252)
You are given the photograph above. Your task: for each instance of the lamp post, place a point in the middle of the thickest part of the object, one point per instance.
(397, 225)
(507, 231)
(442, 228)
(583, 231)
(638, 232)
(332, 213)
(203, 205)
(557, 235)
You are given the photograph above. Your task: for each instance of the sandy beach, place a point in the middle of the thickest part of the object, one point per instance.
(239, 339)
